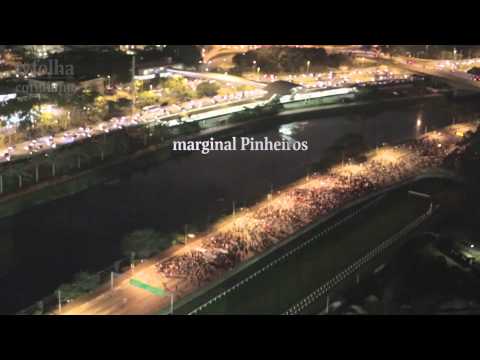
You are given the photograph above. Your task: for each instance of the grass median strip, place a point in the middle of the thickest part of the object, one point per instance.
(153, 290)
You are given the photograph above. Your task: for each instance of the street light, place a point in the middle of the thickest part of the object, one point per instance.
(112, 275)
(308, 66)
(59, 302)
(132, 260)
(171, 303)
(188, 235)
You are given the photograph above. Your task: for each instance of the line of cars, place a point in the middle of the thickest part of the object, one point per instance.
(156, 112)
(148, 114)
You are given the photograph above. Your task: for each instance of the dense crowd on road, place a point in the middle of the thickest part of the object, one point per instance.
(257, 229)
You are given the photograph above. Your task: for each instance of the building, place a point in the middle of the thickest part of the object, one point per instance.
(98, 48)
(153, 67)
(66, 85)
(42, 51)
(7, 71)
(131, 49)
(92, 83)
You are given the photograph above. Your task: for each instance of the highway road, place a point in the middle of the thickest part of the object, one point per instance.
(215, 51)
(48, 143)
(458, 79)
(53, 142)
(217, 77)
(127, 299)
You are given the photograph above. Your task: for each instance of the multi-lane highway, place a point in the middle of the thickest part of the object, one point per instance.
(167, 117)
(215, 51)
(458, 79)
(217, 77)
(127, 299)
(220, 56)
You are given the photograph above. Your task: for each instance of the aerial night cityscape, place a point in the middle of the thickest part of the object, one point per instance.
(320, 180)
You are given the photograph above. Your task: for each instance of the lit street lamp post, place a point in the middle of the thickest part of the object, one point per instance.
(134, 90)
(185, 238)
(132, 260)
(59, 302)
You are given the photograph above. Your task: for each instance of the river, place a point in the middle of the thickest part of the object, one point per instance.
(46, 245)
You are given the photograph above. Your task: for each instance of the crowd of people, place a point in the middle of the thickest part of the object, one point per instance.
(257, 229)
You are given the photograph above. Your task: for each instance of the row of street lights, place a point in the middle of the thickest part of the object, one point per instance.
(258, 67)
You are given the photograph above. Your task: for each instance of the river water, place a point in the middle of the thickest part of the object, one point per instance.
(45, 246)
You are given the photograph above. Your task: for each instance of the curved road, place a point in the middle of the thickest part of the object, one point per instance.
(217, 77)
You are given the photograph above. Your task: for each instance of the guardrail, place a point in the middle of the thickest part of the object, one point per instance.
(356, 266)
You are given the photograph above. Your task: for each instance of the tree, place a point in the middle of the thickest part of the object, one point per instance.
(245, 62)
(21, 107)
(474, 71)
(178, 87)
(144, 243)
(84, 100)
(47, 122)
(207, 89)
(286, 59)
(23, 112)
(87, 282)
(146, 98)
(121, 107)
(83, 283)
